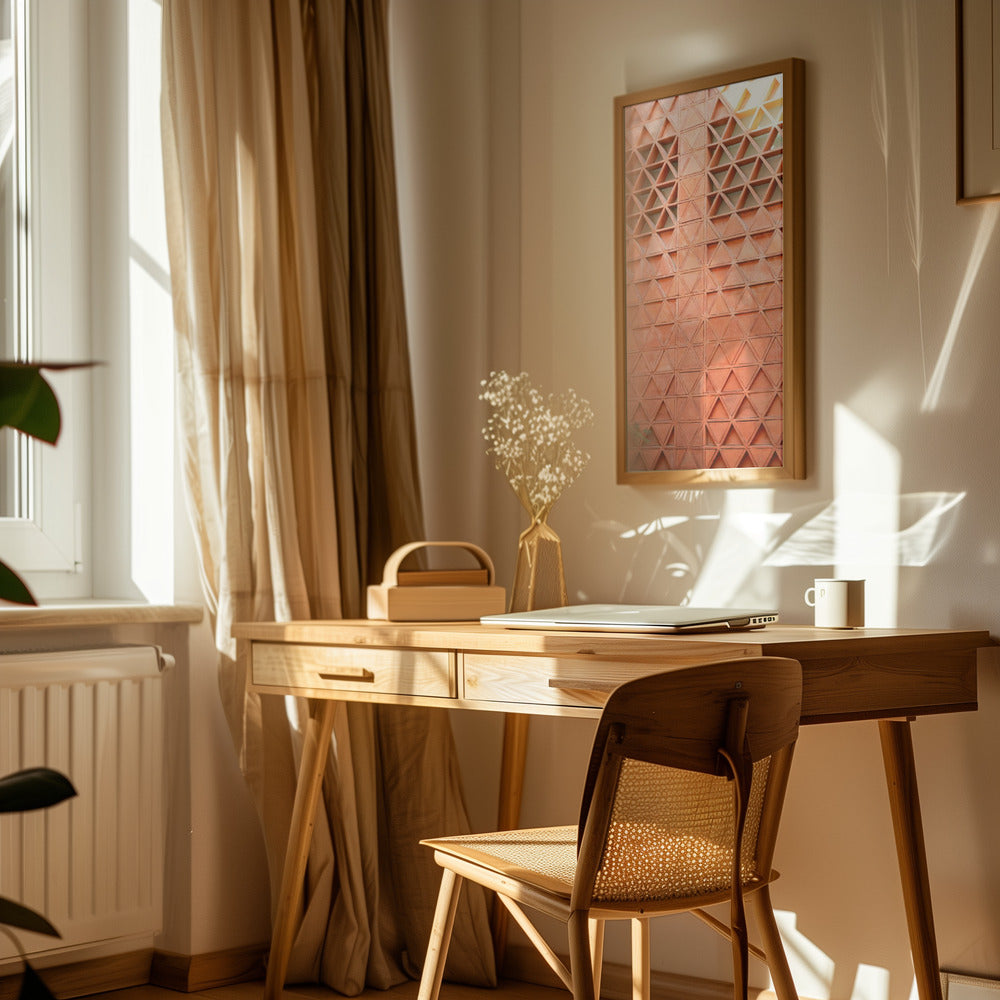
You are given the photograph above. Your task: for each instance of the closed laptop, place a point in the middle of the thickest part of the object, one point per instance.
(655, 618)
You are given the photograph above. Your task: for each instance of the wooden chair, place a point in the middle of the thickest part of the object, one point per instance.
(680, 810)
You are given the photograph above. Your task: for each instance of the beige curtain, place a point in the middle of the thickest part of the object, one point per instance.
(299, 456)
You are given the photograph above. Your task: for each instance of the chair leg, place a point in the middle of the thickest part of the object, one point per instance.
(437, 947)
(597, 951)
(640, 959)
(580, 963)
(741, 960)
(777, 962)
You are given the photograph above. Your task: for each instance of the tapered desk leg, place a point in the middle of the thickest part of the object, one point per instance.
(901, 779)
(515, 745)
(315, 746)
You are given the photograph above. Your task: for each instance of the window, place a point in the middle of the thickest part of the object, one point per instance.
(44, 281)
(14, 456)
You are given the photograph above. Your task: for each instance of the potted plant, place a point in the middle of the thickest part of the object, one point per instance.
(28, 404)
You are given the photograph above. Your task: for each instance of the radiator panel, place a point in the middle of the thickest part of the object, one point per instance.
(93, 865)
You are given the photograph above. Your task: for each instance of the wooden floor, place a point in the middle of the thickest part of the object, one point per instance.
(408, 991)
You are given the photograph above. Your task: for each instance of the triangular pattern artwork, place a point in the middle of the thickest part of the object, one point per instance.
(704, 273)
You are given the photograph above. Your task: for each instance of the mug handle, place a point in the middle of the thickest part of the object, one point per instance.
(812, 591)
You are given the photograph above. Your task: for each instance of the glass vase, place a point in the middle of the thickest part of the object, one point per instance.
(539, 581)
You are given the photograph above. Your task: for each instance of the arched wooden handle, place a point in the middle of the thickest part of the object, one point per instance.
(392, 564)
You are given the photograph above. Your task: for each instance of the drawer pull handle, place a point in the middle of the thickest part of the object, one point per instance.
(348, 674)
(579, 684)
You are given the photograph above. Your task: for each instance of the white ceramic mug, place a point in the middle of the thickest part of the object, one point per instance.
(838, 603)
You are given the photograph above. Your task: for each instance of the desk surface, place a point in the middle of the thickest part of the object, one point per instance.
(847, 673)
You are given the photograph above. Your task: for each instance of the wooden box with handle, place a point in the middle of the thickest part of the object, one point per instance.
(436, 595)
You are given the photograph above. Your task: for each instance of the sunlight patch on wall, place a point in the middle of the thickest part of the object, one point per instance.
(653, 527)
(719, 555)
(868, 530)
(987, 223)
(811, 968)
(871, 983)
(866, 477)
(746, 527)
(925, 521)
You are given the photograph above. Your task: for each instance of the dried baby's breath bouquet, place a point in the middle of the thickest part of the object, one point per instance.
(530, 439)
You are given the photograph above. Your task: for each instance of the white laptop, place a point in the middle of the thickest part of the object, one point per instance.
(655, 618)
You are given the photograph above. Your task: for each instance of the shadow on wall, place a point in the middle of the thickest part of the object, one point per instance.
(671, 558)
(727, 548)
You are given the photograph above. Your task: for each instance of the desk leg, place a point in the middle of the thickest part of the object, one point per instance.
(515, 745)
(315, 746)
(901, 780)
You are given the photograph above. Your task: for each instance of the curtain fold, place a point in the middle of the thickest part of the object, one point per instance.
(298, 435)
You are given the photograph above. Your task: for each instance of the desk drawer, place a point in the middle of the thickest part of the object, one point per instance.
(580, 682)
(428, 673)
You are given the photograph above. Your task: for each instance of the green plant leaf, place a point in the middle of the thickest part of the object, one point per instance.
(15, 915)
(12, 587)
(32, 987)
(34, 788)
(27, 402)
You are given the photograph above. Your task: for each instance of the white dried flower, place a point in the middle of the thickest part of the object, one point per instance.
(529, 438)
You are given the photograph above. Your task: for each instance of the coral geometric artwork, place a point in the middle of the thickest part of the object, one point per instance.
(709, 283)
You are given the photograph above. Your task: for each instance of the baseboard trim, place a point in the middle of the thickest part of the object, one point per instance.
(182, 973)
(209, 970)
(191, 973)
(92, 975)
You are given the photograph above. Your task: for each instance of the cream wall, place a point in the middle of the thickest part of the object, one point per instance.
(503, 117)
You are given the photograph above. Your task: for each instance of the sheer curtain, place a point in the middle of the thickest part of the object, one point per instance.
(299, 453)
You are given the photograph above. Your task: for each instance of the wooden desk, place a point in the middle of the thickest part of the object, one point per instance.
(889, 675)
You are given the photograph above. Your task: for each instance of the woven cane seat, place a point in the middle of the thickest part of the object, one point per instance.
(543, 857)
(671, 836)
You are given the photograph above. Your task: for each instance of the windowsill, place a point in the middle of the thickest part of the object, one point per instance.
(77, 614)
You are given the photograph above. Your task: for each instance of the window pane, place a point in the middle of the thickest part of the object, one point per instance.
(11, 445)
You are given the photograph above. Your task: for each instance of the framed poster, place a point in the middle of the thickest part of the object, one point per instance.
(710, 279)
(977, 51)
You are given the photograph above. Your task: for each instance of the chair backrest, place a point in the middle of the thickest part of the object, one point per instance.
(687, 775)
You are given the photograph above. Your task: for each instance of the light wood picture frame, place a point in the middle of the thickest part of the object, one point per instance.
(710, 303)
(977, 92)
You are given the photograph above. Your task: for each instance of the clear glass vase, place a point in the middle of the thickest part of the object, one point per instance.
(539, 581)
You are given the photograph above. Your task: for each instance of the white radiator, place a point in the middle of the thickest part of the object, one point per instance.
(92, 865)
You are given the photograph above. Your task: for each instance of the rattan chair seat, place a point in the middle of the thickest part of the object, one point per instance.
(544, 857)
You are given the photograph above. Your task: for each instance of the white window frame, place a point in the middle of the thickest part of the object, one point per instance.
(49, 546)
